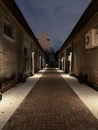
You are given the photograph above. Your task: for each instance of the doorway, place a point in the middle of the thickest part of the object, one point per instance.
(33, 63)
(69, 60)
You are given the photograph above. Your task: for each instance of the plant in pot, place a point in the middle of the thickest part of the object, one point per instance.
(22, 77)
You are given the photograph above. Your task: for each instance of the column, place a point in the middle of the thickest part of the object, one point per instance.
(33, 63)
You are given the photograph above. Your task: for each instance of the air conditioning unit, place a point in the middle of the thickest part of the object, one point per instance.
(91, 39)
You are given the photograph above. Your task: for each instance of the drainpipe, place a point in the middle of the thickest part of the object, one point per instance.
(59, 62)
(43, 62)
(40, 63)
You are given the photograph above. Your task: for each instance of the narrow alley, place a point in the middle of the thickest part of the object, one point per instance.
(48, 65)
(52, 105)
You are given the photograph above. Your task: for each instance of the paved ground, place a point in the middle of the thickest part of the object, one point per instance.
(52, 105)
(88, 95)
(14, 96)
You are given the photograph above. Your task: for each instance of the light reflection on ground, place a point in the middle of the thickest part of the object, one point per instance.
(88, 95)
(12, 98)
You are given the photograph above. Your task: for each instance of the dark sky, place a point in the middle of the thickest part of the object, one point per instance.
(56, 18)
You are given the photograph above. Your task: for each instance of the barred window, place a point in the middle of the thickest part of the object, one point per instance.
(8, 30)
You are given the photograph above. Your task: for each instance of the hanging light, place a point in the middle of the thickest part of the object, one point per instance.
(48, 39)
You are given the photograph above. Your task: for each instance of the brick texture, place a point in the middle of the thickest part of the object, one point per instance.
(52, 105)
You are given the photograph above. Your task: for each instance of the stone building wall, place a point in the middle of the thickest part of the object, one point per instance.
(8, 46)
(85, 59)
(16, 47)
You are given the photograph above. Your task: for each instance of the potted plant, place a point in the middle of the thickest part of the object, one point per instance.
(22, 77)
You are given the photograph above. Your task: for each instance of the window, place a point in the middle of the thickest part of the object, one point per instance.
(8, 30)
(25, 51)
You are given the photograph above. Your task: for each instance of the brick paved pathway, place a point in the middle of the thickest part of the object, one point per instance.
(52, 105)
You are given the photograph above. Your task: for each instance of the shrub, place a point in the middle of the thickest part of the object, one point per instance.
(6, 79)
(22, 78)
(83, 77)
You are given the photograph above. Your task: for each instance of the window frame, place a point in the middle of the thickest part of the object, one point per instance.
(10, 37)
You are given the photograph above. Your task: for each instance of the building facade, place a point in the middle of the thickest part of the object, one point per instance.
(20, 52)
(79, 54)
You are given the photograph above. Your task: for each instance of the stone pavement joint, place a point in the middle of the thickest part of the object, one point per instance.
(52, 105)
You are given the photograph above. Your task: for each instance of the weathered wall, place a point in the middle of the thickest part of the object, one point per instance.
(85, 60)
(8, 47)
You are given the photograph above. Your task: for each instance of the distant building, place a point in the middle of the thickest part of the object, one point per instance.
(44, 41)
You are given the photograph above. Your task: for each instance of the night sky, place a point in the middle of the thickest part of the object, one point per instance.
(56, 18)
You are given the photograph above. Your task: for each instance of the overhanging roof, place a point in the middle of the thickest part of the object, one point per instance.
(89, 12)
(15, 11)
